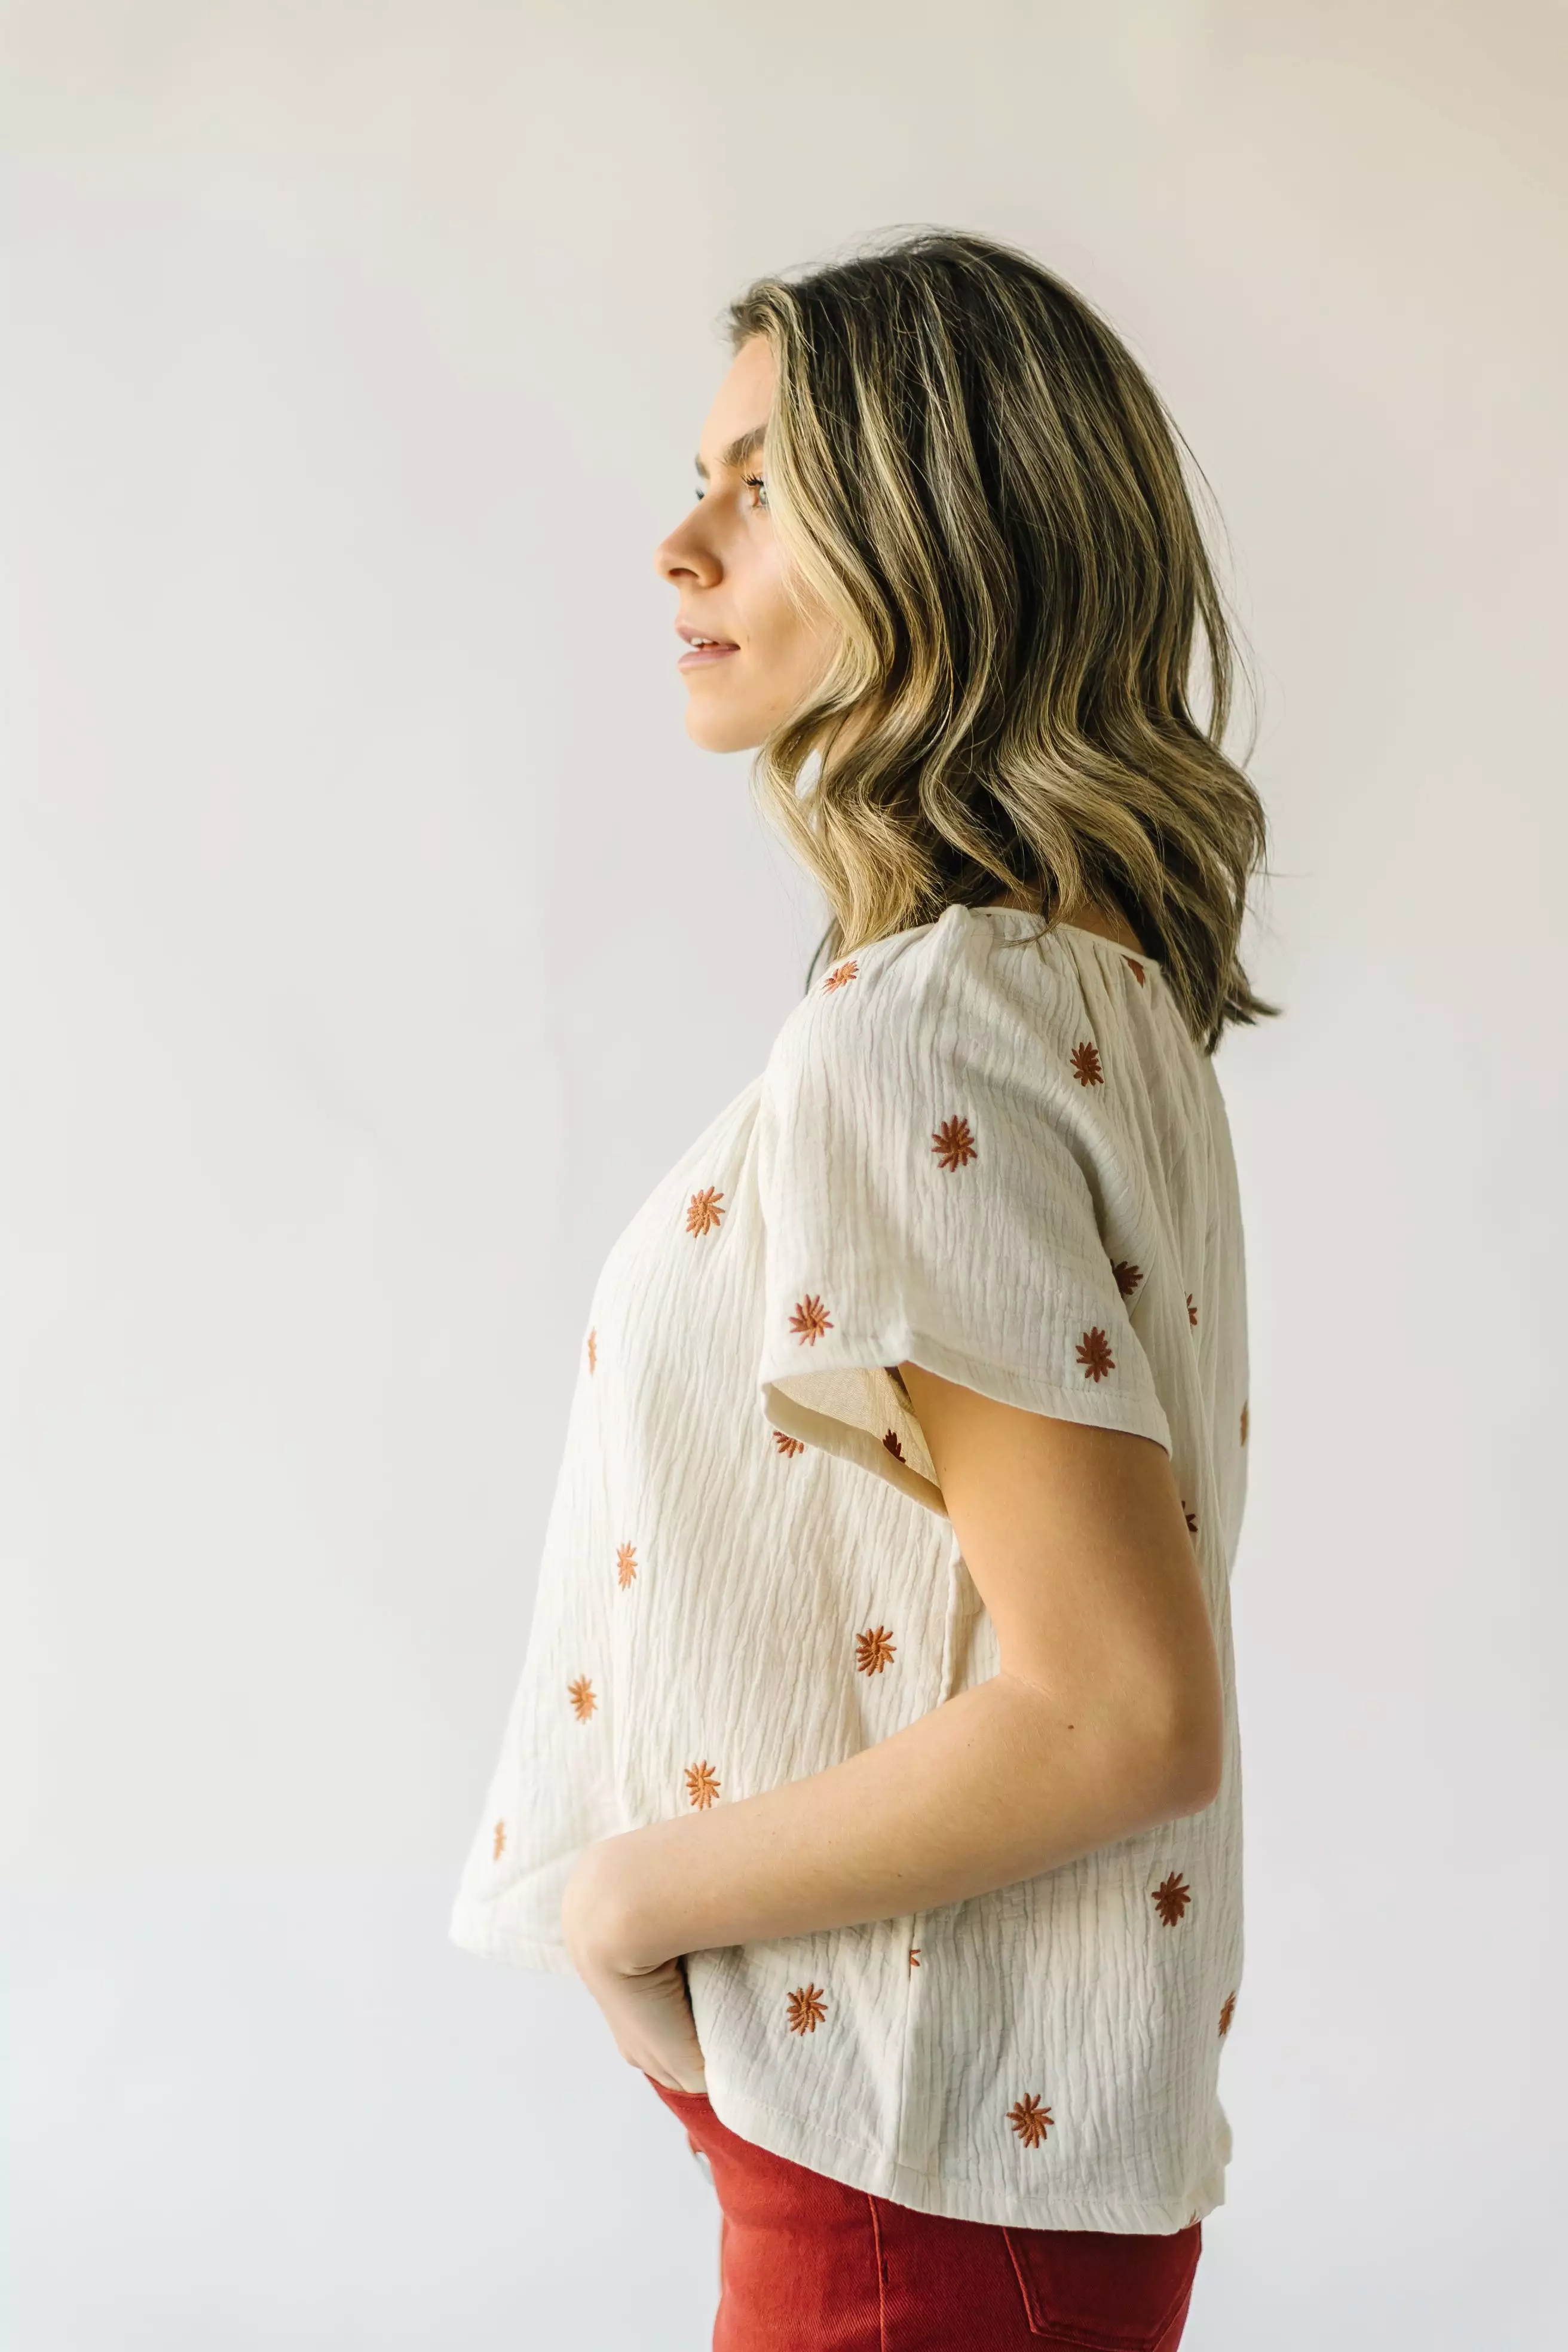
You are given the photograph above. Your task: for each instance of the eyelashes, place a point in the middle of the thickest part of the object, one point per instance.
(752, 482)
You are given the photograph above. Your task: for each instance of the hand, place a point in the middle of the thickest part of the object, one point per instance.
(647, 2005)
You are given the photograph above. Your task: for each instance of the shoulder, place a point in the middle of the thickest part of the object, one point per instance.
(961, 991)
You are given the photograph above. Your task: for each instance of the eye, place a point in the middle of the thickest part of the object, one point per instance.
(752, 481)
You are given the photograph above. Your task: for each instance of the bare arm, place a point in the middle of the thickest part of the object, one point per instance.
(1104, 1719)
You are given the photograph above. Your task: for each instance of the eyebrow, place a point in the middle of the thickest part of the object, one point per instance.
(745, 445)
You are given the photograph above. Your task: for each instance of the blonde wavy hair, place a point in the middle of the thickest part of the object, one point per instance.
(972, 473)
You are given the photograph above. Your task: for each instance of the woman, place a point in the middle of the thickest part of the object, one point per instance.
(874, 1761)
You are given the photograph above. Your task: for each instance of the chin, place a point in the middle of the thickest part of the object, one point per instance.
(721, 731)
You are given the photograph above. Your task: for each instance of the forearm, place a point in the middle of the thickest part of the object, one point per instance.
(995, 1785)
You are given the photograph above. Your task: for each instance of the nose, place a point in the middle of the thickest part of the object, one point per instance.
(684, 556)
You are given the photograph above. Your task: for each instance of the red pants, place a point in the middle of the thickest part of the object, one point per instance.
(810, 2266)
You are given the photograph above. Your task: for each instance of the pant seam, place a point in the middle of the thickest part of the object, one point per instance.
(881, 2277)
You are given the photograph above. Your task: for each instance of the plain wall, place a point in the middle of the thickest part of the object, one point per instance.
(374, 940)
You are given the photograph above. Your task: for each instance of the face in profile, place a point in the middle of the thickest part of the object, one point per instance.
(726, 565)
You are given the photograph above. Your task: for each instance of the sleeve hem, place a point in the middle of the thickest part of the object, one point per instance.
(1095, 1409)
(786, 1411)
(784, 1400)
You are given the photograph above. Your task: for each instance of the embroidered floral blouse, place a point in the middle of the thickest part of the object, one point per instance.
(1002, 1159)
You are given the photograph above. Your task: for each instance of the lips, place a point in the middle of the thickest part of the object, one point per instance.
(703, 651)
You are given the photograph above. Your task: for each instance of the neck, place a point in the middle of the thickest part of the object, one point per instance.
(1089, 915)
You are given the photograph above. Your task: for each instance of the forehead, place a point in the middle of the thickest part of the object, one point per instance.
(733, 427)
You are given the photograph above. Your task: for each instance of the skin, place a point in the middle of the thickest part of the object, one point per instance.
(728, 572)
(1104, 1718)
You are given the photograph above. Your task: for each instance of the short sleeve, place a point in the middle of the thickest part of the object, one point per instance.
(933, 1176)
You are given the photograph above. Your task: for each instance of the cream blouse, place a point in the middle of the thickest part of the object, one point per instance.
(1007, 1161)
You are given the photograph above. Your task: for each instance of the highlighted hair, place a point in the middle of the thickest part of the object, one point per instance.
(976, 478)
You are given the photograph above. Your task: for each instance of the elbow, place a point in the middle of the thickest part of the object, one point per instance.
(1150, 1755)
(1179, 1737)
(1178, 1759)
(1172, 1756)
(1193, 1773)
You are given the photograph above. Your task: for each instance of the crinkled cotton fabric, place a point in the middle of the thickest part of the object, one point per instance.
(1000, 1156)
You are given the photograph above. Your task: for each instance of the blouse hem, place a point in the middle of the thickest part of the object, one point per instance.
(802, 2141)
(472, 1932)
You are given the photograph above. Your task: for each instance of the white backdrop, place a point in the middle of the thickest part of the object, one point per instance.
(375, 939)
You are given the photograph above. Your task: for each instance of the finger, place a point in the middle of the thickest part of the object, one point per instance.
(674, 2070)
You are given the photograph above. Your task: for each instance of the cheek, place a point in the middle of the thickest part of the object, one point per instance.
(789, 640)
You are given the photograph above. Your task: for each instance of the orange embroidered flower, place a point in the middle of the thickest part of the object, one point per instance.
(1191, 1312)
(500, 1847)
(787, 1445)
(593, 1352)
(806, 2008)
(1170, 1898)
(1029, 2119)
(1086, 1067)
(874, 1650)
(1227, 2012)
(810, 1319)
(1244, 1424)
(581, 1694)
(953, 1143)
(840, 976)
(1135, 968)
(702, 1211)
(1127, 1277)
(1094, 1354)
(914, 1955)
(626, 1564)
(891, 1442)
(701, 1785)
